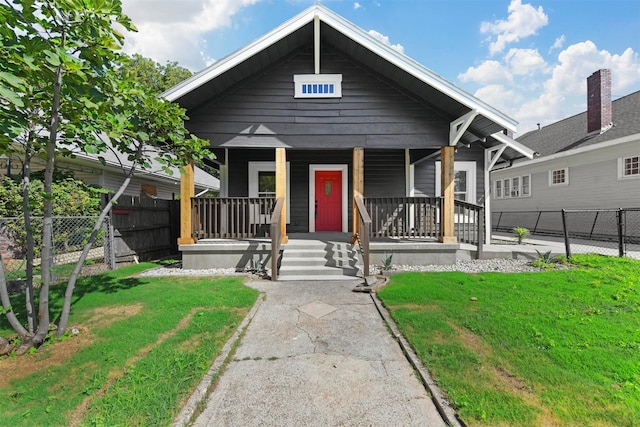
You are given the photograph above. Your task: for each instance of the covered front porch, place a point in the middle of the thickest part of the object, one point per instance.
(253, 230)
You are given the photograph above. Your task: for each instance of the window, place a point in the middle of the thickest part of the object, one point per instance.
(629, 167)
(266, 183)
(317, 85)
(518, 186)
(559, 177)
(515, 187)
(464, 187)
(526, 191)
(460, 185)
(262, 182)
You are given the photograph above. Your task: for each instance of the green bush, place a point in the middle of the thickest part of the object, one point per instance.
(520, 233)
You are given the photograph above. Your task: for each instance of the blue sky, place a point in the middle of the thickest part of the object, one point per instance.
(530, 59)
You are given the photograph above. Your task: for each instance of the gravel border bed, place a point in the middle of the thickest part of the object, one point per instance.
(474, 266)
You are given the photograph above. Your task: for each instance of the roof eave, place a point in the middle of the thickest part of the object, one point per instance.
(359, 36)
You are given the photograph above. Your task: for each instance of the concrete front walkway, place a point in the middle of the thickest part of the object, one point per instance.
(316, 353)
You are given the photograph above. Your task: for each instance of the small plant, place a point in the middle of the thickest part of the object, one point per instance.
(387, 262)
(544, 260)
(521, 233)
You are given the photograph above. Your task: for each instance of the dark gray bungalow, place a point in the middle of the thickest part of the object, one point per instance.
(348, 133)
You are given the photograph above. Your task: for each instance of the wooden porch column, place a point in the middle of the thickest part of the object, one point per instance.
(447, 182)
(358, 182)
(187, 191)
(281, 188)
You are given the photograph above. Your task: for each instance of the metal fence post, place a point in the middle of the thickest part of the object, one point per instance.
(567, 244)
(620, 220)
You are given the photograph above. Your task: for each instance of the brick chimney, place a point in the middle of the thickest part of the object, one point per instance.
(599, 114)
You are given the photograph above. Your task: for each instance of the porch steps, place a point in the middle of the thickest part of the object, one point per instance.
(310, 259)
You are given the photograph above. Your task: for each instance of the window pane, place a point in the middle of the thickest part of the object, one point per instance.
(498, 188)
(558, 176)
(515, 187)
(525, 185)
(266, 184)
(507, 184)
(632, 166)
(460, 181)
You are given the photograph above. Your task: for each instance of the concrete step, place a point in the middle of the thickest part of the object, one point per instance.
(317, 260)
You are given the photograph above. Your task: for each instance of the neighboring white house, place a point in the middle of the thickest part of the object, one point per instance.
(588, 161)
(153, 183)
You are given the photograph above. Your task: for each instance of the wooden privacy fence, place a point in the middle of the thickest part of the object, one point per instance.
(144, 229)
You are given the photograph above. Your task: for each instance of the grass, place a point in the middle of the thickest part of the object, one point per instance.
(145, 343)
(548, 348)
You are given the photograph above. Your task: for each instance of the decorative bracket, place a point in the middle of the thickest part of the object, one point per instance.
(458, 127)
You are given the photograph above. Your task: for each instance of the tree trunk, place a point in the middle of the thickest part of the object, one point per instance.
(29, 291)
(6, 304)
(66, 306)
(47, 229)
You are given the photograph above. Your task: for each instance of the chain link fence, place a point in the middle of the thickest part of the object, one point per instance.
(607, 232)
(70, 234)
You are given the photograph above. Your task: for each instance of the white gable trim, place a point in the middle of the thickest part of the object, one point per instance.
(359, 36)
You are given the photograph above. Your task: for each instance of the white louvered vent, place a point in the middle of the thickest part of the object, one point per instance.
(318, 85)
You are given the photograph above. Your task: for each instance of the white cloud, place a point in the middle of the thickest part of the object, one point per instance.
(174, 30)
(488, 73)
(558, 43)
(524, 62)
(356, 6)
(565, 92)
(385, 39)
(524, 20)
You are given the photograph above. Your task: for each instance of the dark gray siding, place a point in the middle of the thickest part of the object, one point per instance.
(299, 162)
(371, 113)
(384, 173)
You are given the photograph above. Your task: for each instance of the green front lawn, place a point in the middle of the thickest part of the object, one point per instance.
(548, 348)
(144, 344)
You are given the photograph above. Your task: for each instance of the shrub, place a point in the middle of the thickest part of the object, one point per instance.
(520, 233)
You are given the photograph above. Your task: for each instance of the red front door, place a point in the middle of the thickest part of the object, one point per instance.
(328, 202)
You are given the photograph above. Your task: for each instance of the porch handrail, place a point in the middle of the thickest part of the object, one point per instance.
(469, 221)
(275, 232)
(364, 231)
(404, 217)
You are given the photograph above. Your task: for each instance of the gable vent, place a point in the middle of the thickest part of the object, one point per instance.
(318, 85)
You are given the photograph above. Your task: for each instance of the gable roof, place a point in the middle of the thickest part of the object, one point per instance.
(571, 133)
(342, 35)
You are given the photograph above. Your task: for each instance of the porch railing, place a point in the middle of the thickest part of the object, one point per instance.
(276, 236)
(231, 217)
(364, 231)
(419, 217)
(469, 223)
(404, 217)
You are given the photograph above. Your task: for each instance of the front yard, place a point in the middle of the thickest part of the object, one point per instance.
(547, 348)
(144, 344)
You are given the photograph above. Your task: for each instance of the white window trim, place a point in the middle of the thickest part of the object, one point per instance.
(470, 168)
(312, 194)
(254, 170)
(317, 79)
(561, 184)
(521, 185)
(621, 174)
